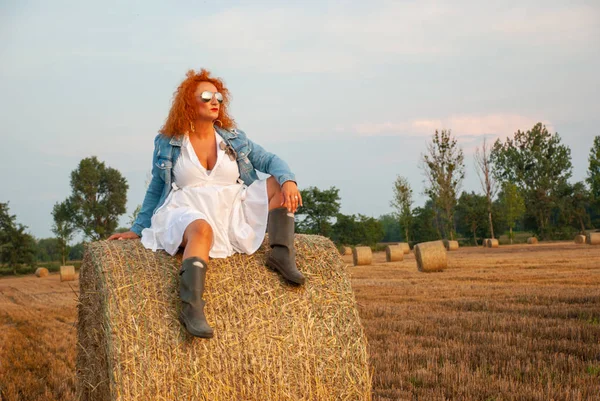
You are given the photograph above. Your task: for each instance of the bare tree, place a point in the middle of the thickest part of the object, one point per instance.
(483, 166)
(444, 169)
(402, 202)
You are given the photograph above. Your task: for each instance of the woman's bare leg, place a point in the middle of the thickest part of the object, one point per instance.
(197, 239)
(274, 193)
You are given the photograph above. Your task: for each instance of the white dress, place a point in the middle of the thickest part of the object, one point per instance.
(237, 213)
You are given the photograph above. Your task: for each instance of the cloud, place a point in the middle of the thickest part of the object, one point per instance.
(494, 125)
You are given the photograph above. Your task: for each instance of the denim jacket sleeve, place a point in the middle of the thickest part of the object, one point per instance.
(269, 163)
(152, 195)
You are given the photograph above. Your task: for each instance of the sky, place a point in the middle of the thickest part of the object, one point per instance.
(348, 93)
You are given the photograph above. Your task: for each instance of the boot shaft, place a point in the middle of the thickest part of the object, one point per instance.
(192, 280)
(281, 227)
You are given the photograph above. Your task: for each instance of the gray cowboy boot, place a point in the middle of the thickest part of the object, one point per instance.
(191, 287)
(281, 238)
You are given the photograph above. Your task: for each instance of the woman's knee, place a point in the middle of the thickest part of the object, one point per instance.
(198, 230)
(273, 187)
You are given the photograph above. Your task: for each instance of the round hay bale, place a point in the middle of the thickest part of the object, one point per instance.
(532, 241)
(67, 273)
(41, 272)
(486, 242)
(431, 256)
(346, 250)
(493, 243)
(593, 239)
(451, 245)
(580, 239)
(362, 255)
(273, 341)
(394, 253)
(405, 247)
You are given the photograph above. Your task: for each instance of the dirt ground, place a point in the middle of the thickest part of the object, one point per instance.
(519, 322)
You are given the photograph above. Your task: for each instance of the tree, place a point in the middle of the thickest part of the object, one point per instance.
(64, 226)
(98, 198)
(471, 214)
(593, 178)
(16, 246)
(572, 207)
(47, 250)
(424, 223)
(483, 167)
(319, 208)
(76, 252)
(443, 167)
(512, 206)
(537, 163)
(353, 230)
(391, 229)
(402, 202)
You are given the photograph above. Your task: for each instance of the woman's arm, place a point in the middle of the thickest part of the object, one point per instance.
(152, 195)
(149, 204)
(269, 163)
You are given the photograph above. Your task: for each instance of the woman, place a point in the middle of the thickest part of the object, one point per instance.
(205, 195)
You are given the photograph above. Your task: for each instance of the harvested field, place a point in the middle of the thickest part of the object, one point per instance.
(510, 323)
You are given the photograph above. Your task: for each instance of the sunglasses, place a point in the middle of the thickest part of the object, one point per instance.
(207, 96)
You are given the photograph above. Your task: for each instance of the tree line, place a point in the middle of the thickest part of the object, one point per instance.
(524, 187)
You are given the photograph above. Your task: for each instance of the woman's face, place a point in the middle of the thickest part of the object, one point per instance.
(207, 109)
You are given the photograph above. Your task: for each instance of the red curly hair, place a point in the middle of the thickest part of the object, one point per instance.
(183, 110)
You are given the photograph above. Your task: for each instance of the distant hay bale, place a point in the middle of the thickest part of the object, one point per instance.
(273, 341)
(451, 245)
(431, 256)
(405, 247)
(41, 272)
(593, 239)
(67, 273)
(394, 253)
(346, 250)
(532, 241)
(486, 243)
(492, 243)
(362, 255)
(580, 239)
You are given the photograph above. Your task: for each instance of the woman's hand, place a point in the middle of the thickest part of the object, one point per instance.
(290, 196)
(125, 235)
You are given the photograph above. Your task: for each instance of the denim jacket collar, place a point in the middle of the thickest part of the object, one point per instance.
(177, 140)
(226, 134)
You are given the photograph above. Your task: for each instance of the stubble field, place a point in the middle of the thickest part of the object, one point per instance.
(515, 323)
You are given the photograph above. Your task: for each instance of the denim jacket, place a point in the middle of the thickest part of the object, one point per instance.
(250, 157)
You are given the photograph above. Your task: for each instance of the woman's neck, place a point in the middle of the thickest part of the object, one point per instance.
(203, 129)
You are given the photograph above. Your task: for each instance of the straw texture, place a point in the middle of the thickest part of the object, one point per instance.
(362, 255)
(405, 247)
(451, 245)
(532, 241)
(431, 256)
(593, 239)
(580, 239)
(394, 253)
(41, 272)
(67, 273)
(272, 341)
